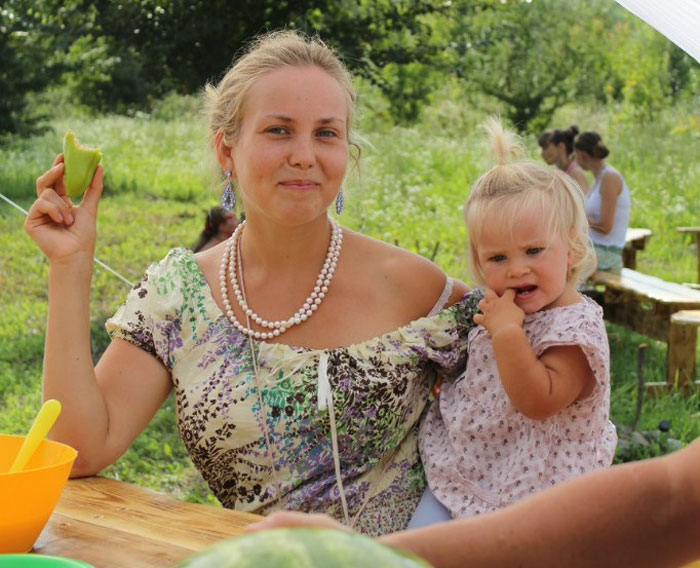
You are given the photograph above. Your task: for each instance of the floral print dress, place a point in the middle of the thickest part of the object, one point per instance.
(267, 441)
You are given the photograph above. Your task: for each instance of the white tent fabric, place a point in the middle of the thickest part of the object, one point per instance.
(678, 20)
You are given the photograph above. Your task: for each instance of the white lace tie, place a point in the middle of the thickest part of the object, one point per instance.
(325, 402)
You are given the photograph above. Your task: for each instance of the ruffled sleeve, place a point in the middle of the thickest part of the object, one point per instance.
(149, 318)
(577, 324)
(446, 344)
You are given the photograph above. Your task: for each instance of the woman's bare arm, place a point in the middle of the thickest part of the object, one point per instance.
(104, 408)
(643, 513)
(610, 188)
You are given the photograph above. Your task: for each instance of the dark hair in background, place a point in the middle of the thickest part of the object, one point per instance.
(557, 136)
(215, 216)
(566, 136)
(592, 143)
(545, 138)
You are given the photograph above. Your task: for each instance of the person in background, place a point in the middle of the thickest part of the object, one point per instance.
(219, 225)
(558, 150)
(532, 407)
(607, 201)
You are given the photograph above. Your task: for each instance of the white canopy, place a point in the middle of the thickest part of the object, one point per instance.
(678, 20)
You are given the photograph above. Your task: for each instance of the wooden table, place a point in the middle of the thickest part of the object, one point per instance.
(112, 524)
(696, 231)
(635, 239)
(645, 304)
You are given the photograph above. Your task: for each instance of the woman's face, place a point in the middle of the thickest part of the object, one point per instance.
(549, 153)
(583, 159)
(292, 151)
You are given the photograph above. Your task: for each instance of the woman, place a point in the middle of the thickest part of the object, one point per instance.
(558, 149)
(218, 226)
(607, 201)
(301, 353)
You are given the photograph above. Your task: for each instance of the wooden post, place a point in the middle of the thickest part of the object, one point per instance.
(697, 244)
(641, 355)
(681, 364)
(629, 257)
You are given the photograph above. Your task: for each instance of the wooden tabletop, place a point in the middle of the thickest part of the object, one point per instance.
(648, 287)
(112, 524)
(637, 235)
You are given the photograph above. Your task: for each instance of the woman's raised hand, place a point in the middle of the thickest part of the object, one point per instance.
(64, 231)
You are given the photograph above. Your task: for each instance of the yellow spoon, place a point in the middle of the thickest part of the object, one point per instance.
(42, 424)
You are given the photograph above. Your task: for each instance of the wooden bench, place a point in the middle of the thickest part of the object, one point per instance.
(635, 239)
(696, 232)
(662, 310)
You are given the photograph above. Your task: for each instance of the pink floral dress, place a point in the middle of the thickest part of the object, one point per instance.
(480, 453)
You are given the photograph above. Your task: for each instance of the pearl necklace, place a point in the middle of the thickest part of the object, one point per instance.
(231, 263)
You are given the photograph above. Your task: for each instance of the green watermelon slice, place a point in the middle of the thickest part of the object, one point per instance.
(80, 164)
(302, 548)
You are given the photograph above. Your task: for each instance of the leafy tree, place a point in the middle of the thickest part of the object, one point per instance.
(392, 43)
(146, 48)
(34, 36)
(532, 56)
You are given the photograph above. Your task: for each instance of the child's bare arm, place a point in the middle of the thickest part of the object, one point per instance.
(538, 388)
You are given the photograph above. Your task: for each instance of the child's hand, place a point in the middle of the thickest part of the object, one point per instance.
(499, 312)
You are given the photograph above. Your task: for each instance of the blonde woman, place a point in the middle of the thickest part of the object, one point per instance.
(301, 354)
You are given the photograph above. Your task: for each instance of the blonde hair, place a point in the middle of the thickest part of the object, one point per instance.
(275, 50)
(514, 185)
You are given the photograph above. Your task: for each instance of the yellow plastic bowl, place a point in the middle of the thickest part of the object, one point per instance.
(28, 498)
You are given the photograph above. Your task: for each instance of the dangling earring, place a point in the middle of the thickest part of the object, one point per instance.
(339, 201)
(228, 197)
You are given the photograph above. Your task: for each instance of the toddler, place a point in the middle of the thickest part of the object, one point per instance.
(531, 409)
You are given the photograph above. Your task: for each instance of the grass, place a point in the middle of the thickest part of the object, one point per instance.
(410, 189)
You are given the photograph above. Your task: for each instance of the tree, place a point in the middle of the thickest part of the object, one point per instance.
(529, 55)
(27, 61)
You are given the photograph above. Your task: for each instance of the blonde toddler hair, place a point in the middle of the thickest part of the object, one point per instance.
(224, 101)
(515, 185)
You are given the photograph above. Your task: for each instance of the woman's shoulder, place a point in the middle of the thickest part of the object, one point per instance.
(611, 175)
(404, 274)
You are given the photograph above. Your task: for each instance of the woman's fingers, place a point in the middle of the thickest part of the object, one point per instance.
(51, 179)
(92, 196)
(55, 206)
(43, 207)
